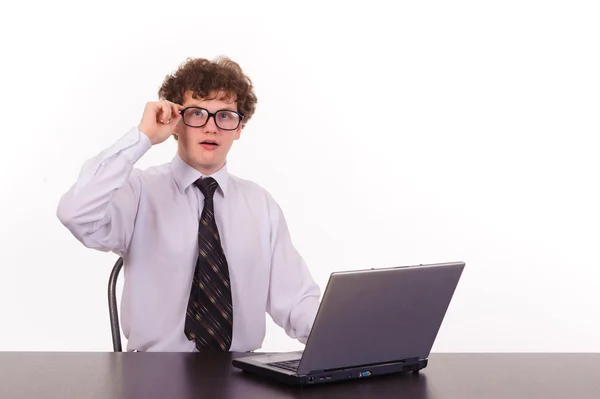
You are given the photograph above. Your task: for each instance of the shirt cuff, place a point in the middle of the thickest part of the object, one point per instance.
(133, 145)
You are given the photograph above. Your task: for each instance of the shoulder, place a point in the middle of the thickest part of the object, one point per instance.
(253, 192)
(247, 187)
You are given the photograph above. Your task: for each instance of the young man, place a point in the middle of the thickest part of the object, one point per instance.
(206, 253)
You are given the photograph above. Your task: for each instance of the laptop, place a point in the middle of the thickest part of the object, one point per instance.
(369, 323)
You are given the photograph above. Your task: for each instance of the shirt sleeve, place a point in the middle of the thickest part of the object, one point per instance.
(100, 208)
(293, 298)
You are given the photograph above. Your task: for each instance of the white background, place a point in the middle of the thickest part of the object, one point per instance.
(389, 134)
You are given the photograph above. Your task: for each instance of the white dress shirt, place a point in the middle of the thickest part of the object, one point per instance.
(151, 218)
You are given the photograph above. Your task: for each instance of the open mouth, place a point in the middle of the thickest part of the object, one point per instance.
(211, 143)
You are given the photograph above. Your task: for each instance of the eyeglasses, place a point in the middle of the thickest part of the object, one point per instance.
(198, 117)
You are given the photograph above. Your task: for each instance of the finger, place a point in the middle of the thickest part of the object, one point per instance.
(159, 111)
(176, 118)
(156, 109)
(166, 112)
(174, 110)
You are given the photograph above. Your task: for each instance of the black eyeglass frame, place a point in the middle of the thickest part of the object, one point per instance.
(213, 115)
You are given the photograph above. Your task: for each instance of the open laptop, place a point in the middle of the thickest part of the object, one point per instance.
(370, 322)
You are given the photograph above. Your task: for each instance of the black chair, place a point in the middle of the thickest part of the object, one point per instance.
(112, 305)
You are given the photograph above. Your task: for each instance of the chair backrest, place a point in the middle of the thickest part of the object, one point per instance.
(112, 305)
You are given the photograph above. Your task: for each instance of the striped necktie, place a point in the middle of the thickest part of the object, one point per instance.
(209, 315)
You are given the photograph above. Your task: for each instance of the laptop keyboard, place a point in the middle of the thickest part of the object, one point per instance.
(291, 365)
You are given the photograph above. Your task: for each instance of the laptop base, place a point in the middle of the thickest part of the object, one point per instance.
(328, 376)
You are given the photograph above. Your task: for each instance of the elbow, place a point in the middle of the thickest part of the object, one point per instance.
(79, 225)
(64, 213)
(68, 213)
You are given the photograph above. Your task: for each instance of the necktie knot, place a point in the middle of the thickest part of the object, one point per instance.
(207, 186)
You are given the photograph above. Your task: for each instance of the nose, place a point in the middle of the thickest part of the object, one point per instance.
(211, 125)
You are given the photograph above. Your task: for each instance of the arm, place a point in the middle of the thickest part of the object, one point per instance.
(293, 298)
(100, 208)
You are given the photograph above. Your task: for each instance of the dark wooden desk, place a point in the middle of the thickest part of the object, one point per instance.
(186, 375)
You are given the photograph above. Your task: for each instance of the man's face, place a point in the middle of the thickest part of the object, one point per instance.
(205, 148)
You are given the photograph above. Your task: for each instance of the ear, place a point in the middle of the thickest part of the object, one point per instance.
(238, 132)
(177, 130)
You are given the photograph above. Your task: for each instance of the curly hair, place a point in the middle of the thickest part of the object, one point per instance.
(206, 79)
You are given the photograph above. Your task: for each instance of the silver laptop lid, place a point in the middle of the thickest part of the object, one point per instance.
(379, 315)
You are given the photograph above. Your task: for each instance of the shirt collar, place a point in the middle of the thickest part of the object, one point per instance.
(185, 175)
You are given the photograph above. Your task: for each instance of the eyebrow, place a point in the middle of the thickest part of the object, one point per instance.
(220, 109)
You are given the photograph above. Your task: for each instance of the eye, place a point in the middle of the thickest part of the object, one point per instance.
(227, 115)
(195, 112)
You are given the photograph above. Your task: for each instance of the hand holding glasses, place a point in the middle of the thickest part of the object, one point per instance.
(159, 118)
